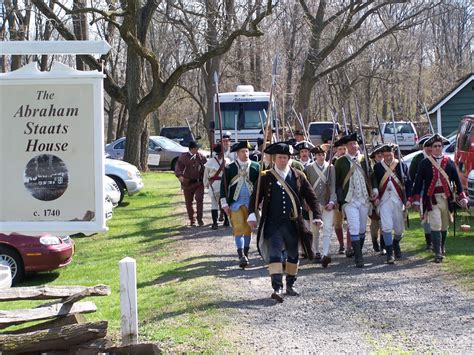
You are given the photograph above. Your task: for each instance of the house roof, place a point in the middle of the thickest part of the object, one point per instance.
(449, 94)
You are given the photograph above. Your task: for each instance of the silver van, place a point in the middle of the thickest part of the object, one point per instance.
(321, 132)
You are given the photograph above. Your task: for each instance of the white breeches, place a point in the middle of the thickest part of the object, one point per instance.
(439, 217)
(328, 219)
(214, 194)
(356, 214)
(392, 216)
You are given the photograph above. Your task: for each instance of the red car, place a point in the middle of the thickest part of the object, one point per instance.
(26, 254)
(464, 156)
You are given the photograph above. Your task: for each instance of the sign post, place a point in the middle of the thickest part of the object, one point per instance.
(51, 148)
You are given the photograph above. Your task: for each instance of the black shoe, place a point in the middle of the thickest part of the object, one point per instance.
(214, 226)
(342, 250)
(277, 295)
(317, 258)
(390, 260)
(226, 223)
(438, 259)
(325, 261)
(429, 247)
(349, 253)
(291, 291)
(375, 245)
(243, 262)
(200, 222)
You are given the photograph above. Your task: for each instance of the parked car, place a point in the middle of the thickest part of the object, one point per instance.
(470, 189)
(111, 190)
(464, 156)
(167, 151)
(406, 134)
(126, 176)
(24, 254)
(180, 134)
(321, 132)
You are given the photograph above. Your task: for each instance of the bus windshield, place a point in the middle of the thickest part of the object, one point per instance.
(249, 115)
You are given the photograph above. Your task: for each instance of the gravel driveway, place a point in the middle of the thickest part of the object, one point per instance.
(407, 307)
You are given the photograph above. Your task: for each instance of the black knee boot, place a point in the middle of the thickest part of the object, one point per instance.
(290, 289)
(215, 215)
(436, 239)
(375, 243)
(429, 244)
(444, 234)
(390, 258)
(382, 245)
(277, 285)
(396, 249)
(359, 259)
(246, 251)
(226, 220)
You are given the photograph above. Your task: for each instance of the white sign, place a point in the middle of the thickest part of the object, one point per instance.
(51, 129)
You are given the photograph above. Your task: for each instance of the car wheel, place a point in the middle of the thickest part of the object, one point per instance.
(121, 187)
(173, 163)
(11, 258)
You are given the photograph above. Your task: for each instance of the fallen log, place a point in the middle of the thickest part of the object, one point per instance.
(62, 338)
(53, 323)
(26, 315)
(51, 292)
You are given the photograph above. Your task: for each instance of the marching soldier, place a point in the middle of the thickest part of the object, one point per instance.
(299, 136)
(235, 191)
(392, 185)
(340, 150)
(437, 173)
(412, 172)
(283, 191)
(376, 155)
(304, 149)
(353, 193)
(213, 171)
(227, 145)
(321, 176)
(189, 170)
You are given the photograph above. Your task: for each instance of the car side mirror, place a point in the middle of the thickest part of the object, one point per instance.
(158, 149)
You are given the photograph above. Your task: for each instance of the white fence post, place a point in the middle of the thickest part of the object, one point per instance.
(128, 300)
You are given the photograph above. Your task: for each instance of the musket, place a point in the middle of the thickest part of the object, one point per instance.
(301, 122)
(366, 155)
(428, 118)
(331, 154)
(380, 129)
(345, 121)
(265, 131)
(291, 130)
(219, 113)
(402, 175)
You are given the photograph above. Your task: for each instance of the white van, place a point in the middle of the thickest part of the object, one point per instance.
(321, 132)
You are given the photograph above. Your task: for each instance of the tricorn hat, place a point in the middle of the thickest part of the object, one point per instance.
(375, 150)
(350, 138)
(280, 148)
(423, 139)
(298, 132)
(193, 144)
(240, 145)
(217, 148)
(436, 138)
(388, 147)
(318, 150)
(304, 145)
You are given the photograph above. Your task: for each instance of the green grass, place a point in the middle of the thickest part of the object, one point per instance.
(460, 248)
(174, 307)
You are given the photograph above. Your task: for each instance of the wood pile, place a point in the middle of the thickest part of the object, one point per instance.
(64, 329)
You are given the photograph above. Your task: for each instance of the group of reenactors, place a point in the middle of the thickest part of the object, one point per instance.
(298, 193)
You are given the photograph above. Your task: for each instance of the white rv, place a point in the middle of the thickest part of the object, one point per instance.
(243, 114)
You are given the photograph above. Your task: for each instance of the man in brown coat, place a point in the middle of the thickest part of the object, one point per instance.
(190, 170)
(283, 191)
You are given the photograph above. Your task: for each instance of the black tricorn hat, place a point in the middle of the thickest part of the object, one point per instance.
(436, 138)
(423, 139)
(298, 132)
(280, 148)
(304, 145)
(318, 150)
(217, 148)
(388, 147)
(349, 138)
(240, 145)
(193, 144)
(375, 150)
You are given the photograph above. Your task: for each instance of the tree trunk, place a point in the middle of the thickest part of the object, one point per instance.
(81, 28)
(110, 120)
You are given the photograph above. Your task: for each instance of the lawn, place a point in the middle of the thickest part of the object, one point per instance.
(459, 249)
(180, 314)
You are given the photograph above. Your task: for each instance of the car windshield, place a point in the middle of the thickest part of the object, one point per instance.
(319, 128)
(166, 143)
(247, 115)
(400, 128)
